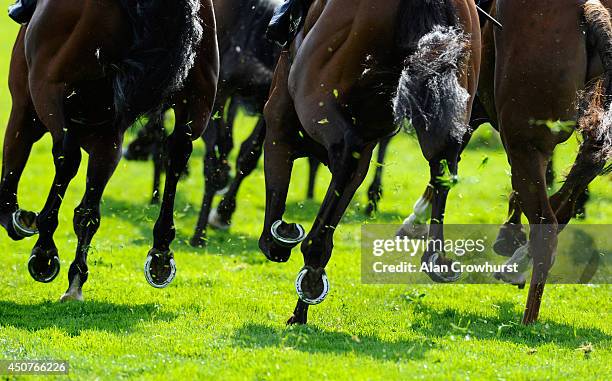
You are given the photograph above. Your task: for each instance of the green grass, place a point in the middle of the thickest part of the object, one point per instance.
(224, 315)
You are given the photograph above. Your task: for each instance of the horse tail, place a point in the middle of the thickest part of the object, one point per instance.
(165, 36)
(595, 121)
(436, 49)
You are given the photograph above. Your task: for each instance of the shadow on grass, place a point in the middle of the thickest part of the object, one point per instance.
(73, 318)
(311, 339)
(505, 326)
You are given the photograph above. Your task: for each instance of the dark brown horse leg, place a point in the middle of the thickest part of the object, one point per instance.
(226, 145)
(159, 156)
(589, 164)
(212, 183)
(280, 150)
(511, 235)
(21, 133)
(216, 171)
(103, 159)
(440, 184)
(48, 101)
(160, 267)
(375, 190)
(248, 157)
(528, 179)
(348, 174)
(313, 167)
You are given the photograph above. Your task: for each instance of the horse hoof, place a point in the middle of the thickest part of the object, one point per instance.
(509, 239)
(216, 222)
(412, 229)
(296, 320)
(287, 235)
(72, 296)
(24, 223)
(160, 268)
(44, 265)
(521, 260)
(312, 285)
(198, 242)
(435, 267)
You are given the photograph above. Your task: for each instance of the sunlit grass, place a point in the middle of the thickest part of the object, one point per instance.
(224, 315)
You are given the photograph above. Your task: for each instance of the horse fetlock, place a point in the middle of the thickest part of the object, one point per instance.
(217, 220)
(509, 239)
(413, 227)
(75, 289)
(517, 267)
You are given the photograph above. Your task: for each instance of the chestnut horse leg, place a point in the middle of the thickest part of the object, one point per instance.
(104, 157)
(375, 190)
(248, 157)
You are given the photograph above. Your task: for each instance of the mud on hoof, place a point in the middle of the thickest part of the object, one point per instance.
(215, 221)
(312, 285)
(440, 268)
(44, 265)
(160, 268)
(523, 262)
(509, 239)
(24, 223)
(287, 235)
(413, 229)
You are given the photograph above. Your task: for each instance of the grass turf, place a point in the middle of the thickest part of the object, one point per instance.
(224, 315)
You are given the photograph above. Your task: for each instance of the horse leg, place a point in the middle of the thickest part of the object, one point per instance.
(48, 99)
(212, 183)
(280, 150)
(511, 235)
(250, 152)
(160, 267)
(440, 185)
(415, 226)
(159, 156)
(348, 174)
(225, 145)
(313, 167)
(21, 133)
(103, 160)
(375, 190)
(529, 181)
